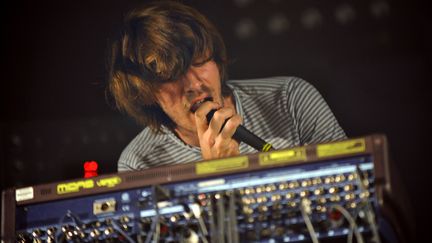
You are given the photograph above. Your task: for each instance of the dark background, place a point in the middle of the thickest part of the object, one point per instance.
(369, 59)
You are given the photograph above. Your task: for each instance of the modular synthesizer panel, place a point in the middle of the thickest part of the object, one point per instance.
(329, 193)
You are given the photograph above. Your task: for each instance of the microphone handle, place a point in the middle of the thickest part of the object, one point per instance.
(243, 135)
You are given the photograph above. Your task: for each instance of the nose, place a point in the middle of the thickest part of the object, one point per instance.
(192, 80)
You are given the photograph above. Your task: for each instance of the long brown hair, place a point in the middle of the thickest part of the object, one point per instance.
(159, 43)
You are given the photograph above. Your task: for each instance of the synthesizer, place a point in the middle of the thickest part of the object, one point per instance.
(330, 192)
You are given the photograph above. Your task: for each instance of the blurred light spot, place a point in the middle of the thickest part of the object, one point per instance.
(85, 139)
(245, 28)
(278, 23)
(103, 137)
(242, 3)
(16, 140)
(19, 165)
(380, 9)
(345, 14)
(311, 18)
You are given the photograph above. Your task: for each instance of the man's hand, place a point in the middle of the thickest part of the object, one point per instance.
(215, 141)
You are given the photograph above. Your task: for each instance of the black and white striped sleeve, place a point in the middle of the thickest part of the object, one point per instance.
(314, 120)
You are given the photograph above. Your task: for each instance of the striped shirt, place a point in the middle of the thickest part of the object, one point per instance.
(284, 111)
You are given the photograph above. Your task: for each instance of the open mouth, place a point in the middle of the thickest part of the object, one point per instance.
(197, 104)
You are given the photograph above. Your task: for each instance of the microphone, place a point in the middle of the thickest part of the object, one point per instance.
(241, 134)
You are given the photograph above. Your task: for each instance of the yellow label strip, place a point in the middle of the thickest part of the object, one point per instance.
(282, 156)
(221, 165)
(339, 148)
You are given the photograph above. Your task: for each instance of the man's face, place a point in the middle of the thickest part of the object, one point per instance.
(176, 98)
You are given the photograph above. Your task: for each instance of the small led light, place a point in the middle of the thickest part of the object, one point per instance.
(90, 169)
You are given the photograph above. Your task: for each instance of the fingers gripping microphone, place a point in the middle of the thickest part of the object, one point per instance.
(241, 134)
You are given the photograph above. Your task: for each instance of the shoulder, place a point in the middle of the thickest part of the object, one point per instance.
(270, 84)
(136, 152)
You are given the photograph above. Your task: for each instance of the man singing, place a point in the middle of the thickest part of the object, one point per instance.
(168, 71)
